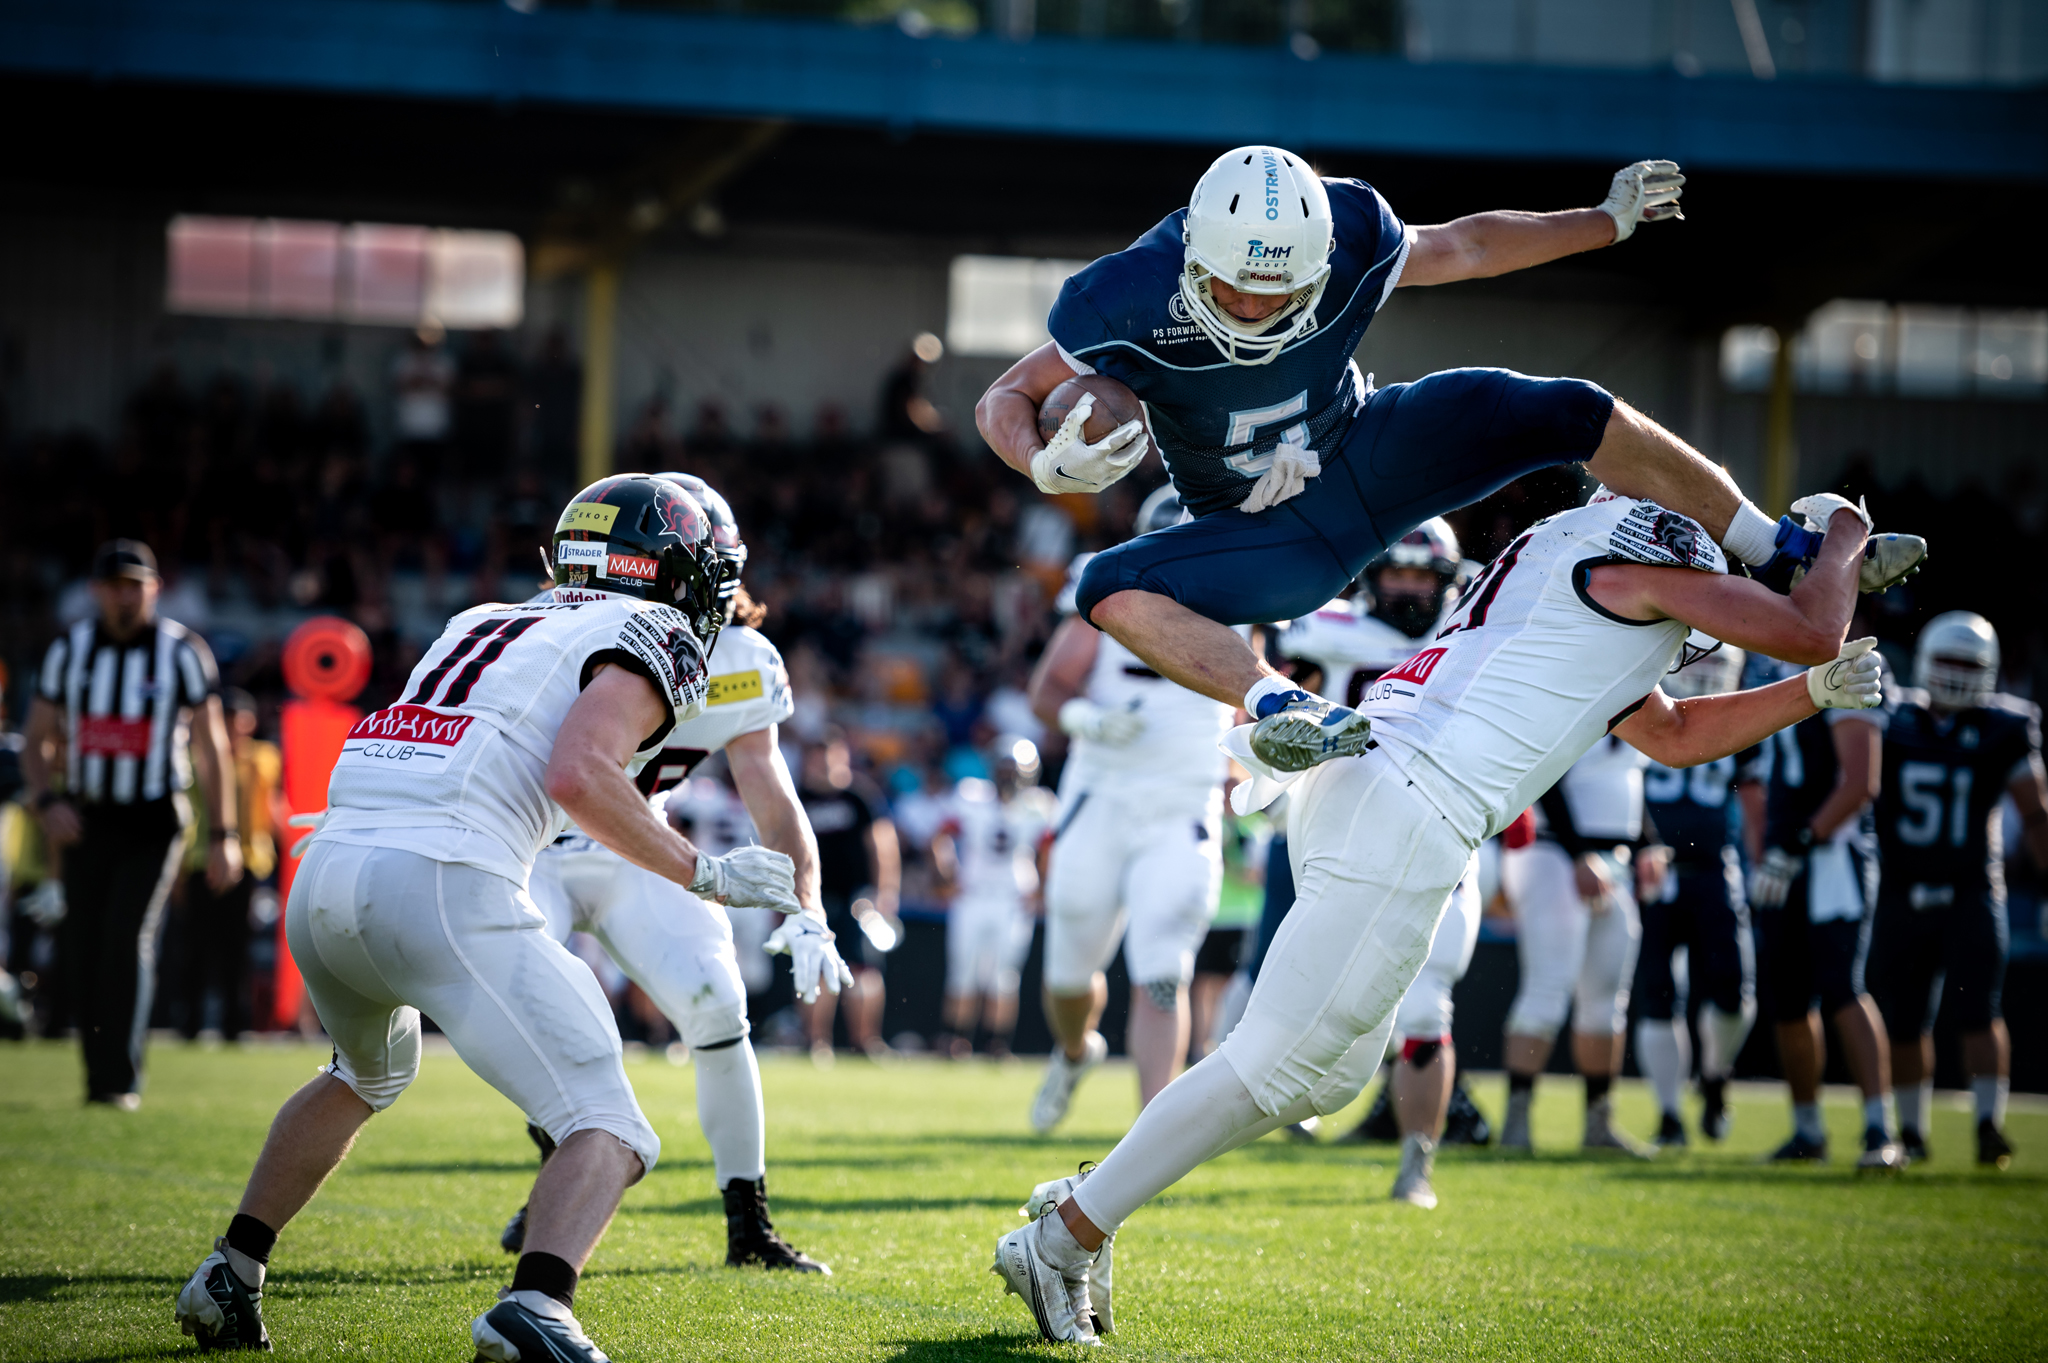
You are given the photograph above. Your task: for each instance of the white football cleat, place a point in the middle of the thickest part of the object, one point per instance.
(1062, 1077)
(1099, 1277)
(1307, 731)
(1514, 1131)
(1888, 559)
(1418, 1160)
(1603, 1134)
(1053, 1284)
(221, 1305)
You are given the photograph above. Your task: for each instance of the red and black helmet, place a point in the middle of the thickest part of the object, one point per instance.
(637, 535)
(725, 534)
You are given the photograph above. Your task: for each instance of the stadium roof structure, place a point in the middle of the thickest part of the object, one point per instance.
(878, 75)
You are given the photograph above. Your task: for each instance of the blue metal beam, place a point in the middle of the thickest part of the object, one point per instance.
(824, 72)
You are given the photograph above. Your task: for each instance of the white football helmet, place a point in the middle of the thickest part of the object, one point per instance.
(1260, 222)
(1955, 660)
(1705, 673)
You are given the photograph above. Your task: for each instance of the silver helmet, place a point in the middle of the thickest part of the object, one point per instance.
(1956, 660)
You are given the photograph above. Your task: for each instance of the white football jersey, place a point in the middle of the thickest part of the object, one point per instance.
(1531, 672)
(1174, 766)
(748, 691)
(455, 771)
(1604, 791)
(1350, 646)
(996, 841)
(716, 818)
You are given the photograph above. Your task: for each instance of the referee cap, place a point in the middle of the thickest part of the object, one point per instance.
(123, 558)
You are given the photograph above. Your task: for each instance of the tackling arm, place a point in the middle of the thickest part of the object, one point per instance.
(1685, 733)
(1488, 244)
(586, 773)
(770, 796)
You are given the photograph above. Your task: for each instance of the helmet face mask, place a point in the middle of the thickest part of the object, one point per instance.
(1258, 221)
(1431, 547)
(642, 537)
(1955, 661)
(725, 536)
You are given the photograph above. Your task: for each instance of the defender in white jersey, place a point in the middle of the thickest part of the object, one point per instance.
(680, 949)
(1560, 641)
(413, 897)
(1138, 852)
(1577, 931)
(987, 847)
(1409, 593)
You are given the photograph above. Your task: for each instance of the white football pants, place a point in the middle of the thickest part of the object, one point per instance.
(1573, 960)
(676, 947)
(1117, 872)
(987, 939)
(1425, 1011)
(382, 935)
(679, 949)
(1374, 866)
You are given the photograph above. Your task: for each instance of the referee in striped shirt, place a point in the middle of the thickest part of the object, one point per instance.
(126, 707)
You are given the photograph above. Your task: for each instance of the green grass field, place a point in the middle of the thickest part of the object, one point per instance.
(902, 1178)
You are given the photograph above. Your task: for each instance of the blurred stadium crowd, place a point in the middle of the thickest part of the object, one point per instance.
(909, 578)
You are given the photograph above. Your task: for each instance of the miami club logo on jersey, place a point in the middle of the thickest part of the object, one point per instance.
(1401, 689)
(411, 724)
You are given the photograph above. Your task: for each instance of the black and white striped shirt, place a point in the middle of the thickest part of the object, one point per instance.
(127, 709)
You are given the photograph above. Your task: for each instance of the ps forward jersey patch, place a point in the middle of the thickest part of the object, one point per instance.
(467, 749)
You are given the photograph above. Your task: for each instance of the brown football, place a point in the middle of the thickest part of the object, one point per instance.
(1114, 405)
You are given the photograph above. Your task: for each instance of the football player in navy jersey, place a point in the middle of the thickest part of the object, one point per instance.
(1953, 750)
(1699, 906)
(1813, 878)
(1234, 320)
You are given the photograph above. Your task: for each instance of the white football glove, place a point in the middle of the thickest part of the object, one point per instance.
(45, 904)
(1083, 718)
(1820, 508)
(1772, 879)
(747, 878)
(1644, 192)
(813, 960)
(1067, 464)
(1853, 681)
(1294, 463)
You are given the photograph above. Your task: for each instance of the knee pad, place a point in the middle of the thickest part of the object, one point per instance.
(1340, 1088)
(1539, 1013)
(401, 1064)
(1078, 945)
(1419, 1051)
(716, 1022)
(634, 1133)
(1164, 994)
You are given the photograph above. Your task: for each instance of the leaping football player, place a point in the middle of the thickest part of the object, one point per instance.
(1234, 321)
(1953, 750)
(677, 946)
(413, 899)
(1559, 642)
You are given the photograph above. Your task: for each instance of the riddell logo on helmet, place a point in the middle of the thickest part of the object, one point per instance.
(631, 565)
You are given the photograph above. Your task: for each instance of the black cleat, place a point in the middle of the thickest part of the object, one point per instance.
(531, 1327)
(514, 1236)
(1715, 1118)
(1914, 1144)
(1881, 1154)
(220, 1310)
(750, 1236)
(1799, 1150)
(1993, 1150)
(1379, 1126)
(1671, 1132)
(1465, 1124)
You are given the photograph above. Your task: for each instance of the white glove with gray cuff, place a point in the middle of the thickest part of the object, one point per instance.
(813, 959)
(748, 878)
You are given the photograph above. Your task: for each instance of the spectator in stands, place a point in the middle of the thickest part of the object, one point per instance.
(423, 380)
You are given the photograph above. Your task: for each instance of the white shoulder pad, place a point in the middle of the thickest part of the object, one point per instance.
(747, 670)
(1643, 532)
